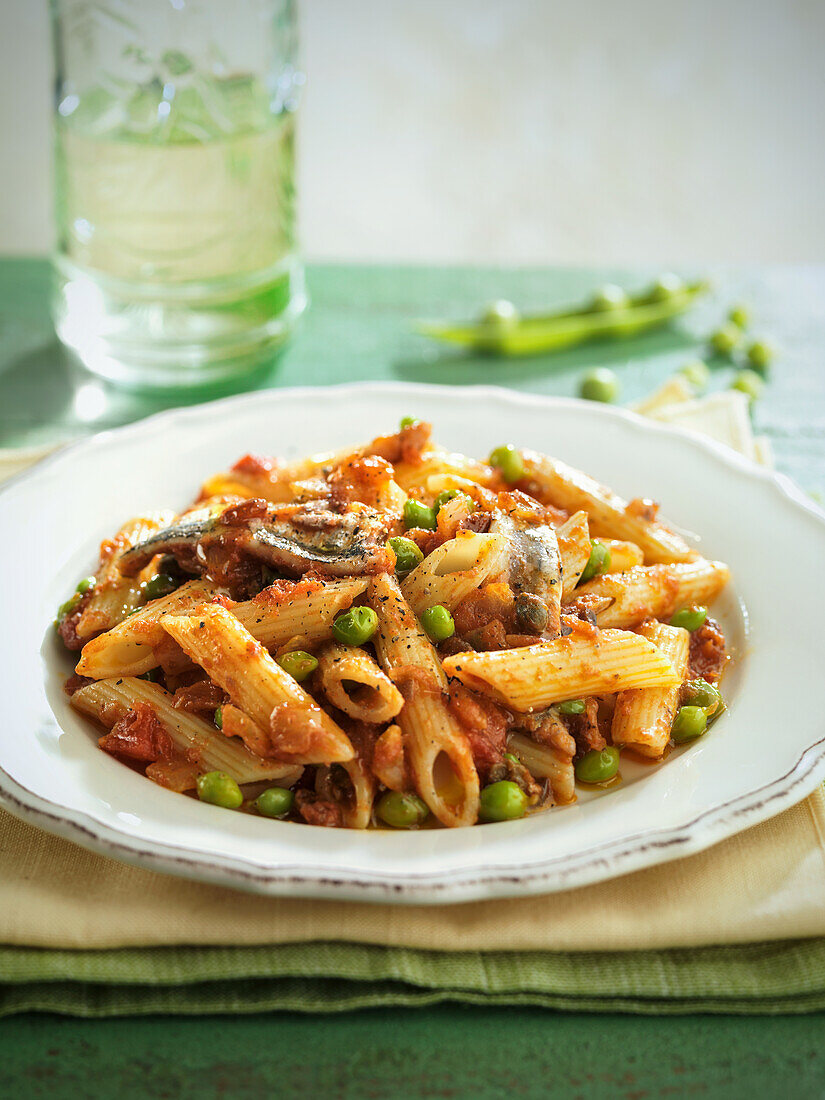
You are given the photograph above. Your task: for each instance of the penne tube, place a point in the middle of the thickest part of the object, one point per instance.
(454, 569)
(255, 683)
(203, 745)
(389, 761)
(234, 723)
(546, 762)
(654, 591)
(353, 682)
(623, 555)
(270, 478)
(643, 717)
(128, 649)
(358, 813)
(438, 750)
(209, 507)
(300, 610)
(114, 596)
(610, 515)
(484, 499)
(574, 547)
(358, 799)
(587, 663)
(273, 479)
(413, 477)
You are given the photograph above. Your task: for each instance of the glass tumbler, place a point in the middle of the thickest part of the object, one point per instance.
(176, 257)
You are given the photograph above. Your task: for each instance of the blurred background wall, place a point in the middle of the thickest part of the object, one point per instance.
(518, 130)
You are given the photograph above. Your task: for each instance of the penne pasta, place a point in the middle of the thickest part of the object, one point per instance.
(114, 596)
(587, 663)
(356, 803)
(623, 555)
(129, 649)
(255, 683)
(358, 814)
(546, 762)
(457, 567)
(438, 750)
(389, 764)
(108, 701)
(642, 717)
(413, 476)
(654, 591)
(610, 515)
(269, 478)
(574, 547)
(302, 612)
(353, 682)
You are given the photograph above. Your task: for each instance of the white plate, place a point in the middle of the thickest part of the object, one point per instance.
(767, 753)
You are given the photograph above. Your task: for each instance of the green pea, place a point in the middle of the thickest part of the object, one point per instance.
(86, 585)
(740, 316)
(699, 693)
(697, 373)
(356, 626)
(726, 340)
(217, 718)
(502, 801)
(68, 607)
(447, 495)
(690, 722)
(609, 297)
(500, 313)
(600, 384)
(438, 622)
(408, 421)
(666, 286)
(274, 802)
(760, 355)
(689, 618)
(509, 462)
(402, 809)
(220, 789)
(299, 664)
(571, 706)
(511, 756)
(749, 383)
(159, 585)
(597, 563)
(417, 514)
(407, 554)
(598, 765)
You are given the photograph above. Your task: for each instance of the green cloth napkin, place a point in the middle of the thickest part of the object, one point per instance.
(786, 977)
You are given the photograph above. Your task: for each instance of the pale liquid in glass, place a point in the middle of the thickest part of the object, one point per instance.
(176, 224)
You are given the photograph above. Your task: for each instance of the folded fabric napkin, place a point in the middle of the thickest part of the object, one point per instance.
(739, 928)
(90, 936)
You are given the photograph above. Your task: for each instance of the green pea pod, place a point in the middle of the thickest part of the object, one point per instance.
(533, 334)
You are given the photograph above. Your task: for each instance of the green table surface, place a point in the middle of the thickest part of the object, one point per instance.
(359, 328)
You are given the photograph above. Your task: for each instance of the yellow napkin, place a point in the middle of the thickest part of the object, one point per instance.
(766, 883)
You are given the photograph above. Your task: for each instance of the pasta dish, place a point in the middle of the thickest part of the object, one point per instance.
(397, 636)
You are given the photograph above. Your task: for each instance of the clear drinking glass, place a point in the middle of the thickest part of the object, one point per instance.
(175, 193)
